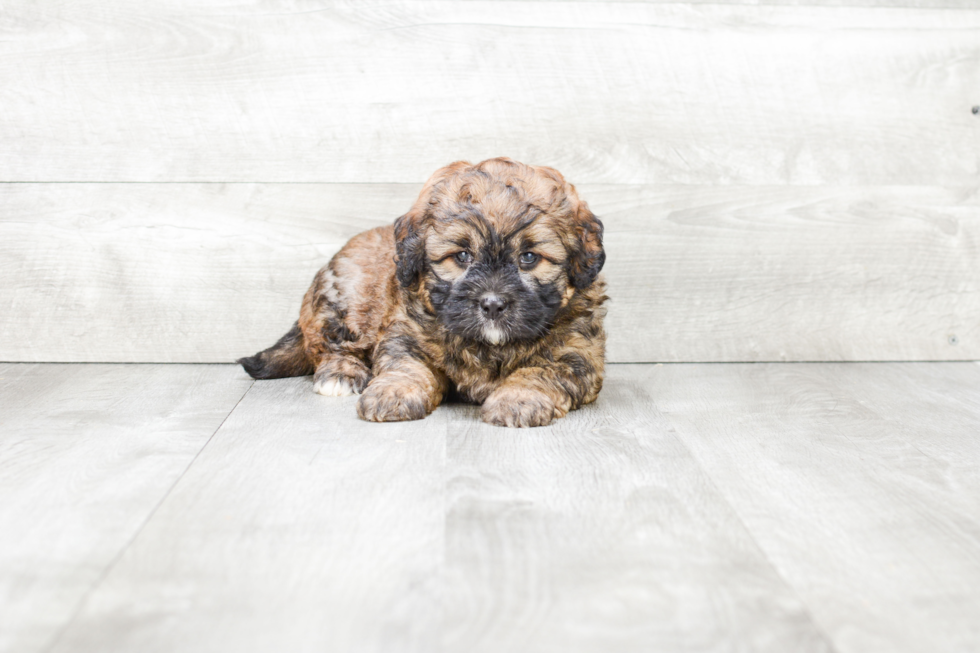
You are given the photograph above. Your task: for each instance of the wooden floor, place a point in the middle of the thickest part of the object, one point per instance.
(750, 507)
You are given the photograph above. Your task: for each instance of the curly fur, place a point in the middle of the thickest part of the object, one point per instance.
(490, 286)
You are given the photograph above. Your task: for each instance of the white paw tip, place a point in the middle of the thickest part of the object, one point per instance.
(333, 388)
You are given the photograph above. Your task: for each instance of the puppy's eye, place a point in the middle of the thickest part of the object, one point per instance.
(463, 258)
(529, 259)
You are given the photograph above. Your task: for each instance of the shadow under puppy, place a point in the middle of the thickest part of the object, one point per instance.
(489, 285)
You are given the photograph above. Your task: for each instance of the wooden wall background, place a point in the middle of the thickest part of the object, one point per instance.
(779, 181)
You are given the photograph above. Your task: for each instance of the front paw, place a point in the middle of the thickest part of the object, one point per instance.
(341, 377)
(334, 386)
(393, 400)
(519, 407)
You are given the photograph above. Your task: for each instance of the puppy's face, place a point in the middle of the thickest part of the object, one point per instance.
(497, 249)
(493, 280)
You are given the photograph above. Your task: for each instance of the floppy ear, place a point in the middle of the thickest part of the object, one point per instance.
(409, 245)
(587, 255)
(409, 249)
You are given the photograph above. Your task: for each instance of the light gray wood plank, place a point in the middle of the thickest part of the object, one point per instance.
(920, 4)
(601, 533)
(793, 274)
(387, 92)
(86, 454)
(169, 273)
(212, 272)
(299, 528)
(691, 508)
(859, 482)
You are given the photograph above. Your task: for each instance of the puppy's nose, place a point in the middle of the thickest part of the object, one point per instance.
(492, 306)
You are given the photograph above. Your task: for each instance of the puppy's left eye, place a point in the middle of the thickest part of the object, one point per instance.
(463, 258)
(529, 259)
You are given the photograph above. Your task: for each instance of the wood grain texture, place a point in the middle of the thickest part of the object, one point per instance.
(171, 273)
(601, 533)
(87, 452)
(783, 507)
(299, 528)
(859, 482)
(918, 4)
(292, 90)
(212, 272)
(783, 274)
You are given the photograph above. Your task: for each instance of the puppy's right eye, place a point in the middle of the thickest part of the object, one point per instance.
(463, 258)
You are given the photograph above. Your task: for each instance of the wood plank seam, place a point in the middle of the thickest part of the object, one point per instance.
(708, 273)
(149, 516)
(274, 91)
(766, 417)
(762, 552)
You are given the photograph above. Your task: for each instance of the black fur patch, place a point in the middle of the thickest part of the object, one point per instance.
(579, 366)
(587, 260)
(590, 266)
(580, 369)
(285, 358)
(530, 309)
(410, 253)
(401, 347)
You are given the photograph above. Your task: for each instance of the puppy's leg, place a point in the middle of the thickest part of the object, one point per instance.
(405, 385)
(562, 379)
(531, 396)
(330, 343)
(340, 375)
(534, 396)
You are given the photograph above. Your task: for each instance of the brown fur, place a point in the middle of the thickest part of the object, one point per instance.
(370, 324)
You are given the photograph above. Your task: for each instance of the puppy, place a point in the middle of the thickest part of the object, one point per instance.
(488, 287)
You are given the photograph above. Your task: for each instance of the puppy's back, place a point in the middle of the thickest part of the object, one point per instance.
(346, 306)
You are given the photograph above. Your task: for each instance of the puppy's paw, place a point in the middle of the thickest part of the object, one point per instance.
(341, 379)
(333, 387)
(393, 400)
(519, 407)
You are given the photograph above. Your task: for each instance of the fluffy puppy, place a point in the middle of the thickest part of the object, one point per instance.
(488, 287)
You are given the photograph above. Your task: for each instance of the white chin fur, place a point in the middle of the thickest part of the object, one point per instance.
(333, 388)
(493, 335)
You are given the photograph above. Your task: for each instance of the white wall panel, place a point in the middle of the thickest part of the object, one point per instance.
(779, 182)
(211, 272)
(388, 91)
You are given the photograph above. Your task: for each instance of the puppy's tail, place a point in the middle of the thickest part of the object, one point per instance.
(285, 358)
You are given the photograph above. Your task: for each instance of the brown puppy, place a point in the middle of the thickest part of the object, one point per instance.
(489, 285)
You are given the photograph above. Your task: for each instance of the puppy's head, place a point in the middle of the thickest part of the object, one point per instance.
(496, 249)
